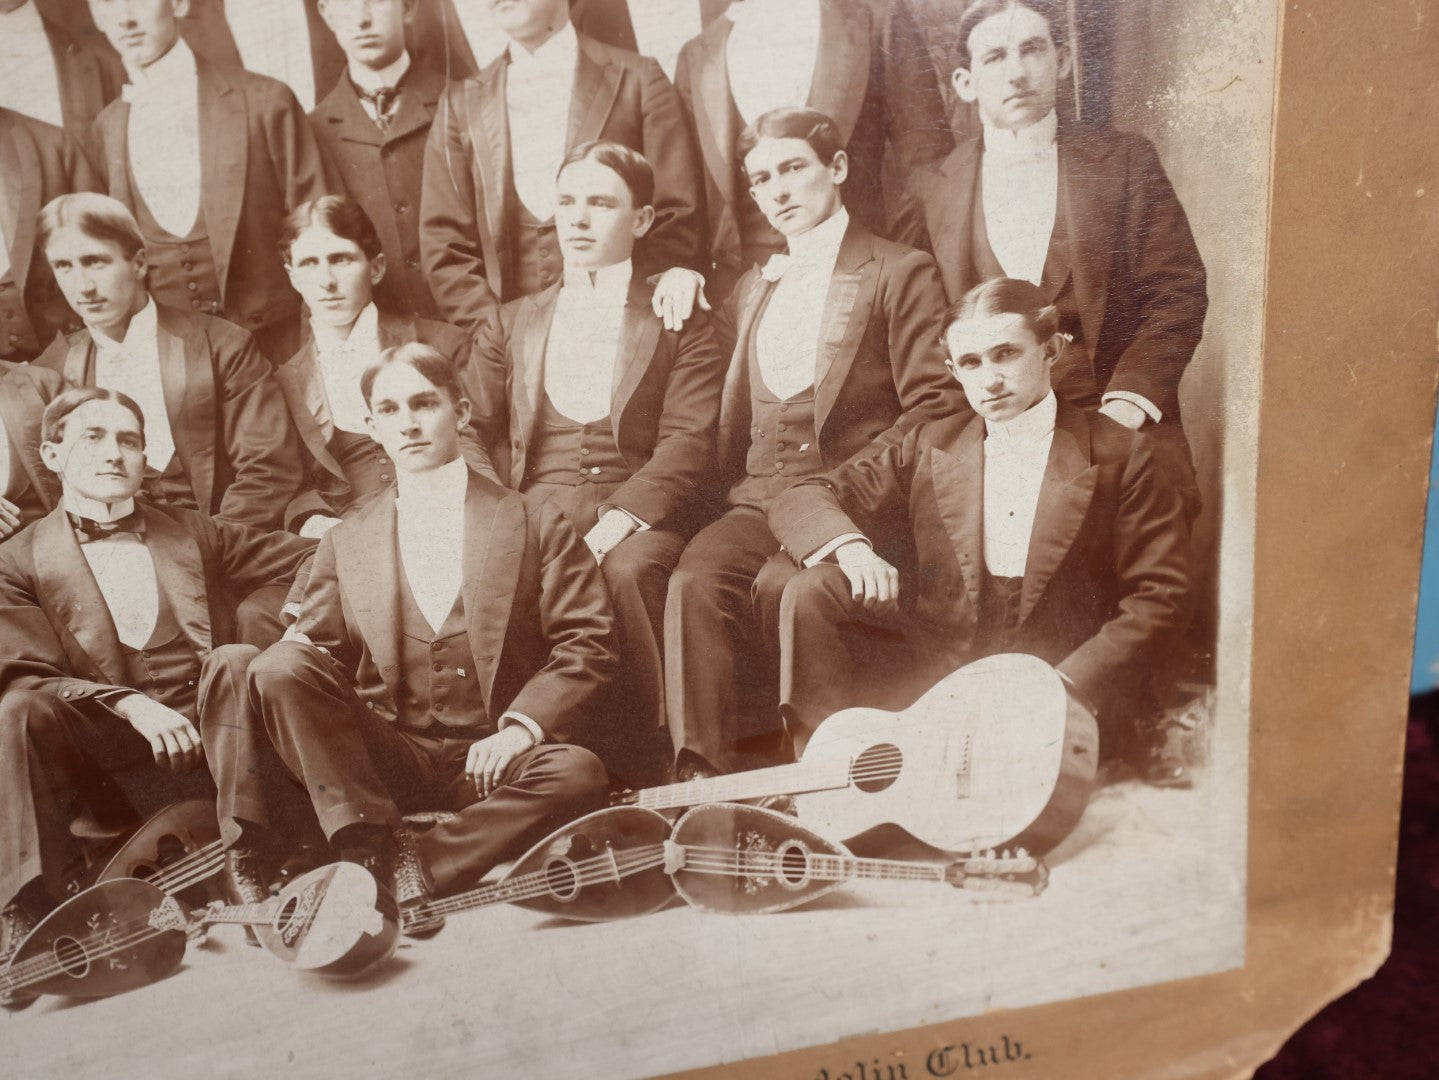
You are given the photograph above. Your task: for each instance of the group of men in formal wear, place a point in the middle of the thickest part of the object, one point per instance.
(537, 416)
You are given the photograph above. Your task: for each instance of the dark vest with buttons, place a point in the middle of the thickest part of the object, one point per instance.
(166, 668)
(536, 262)
(182, 268)
(568, 452)
(439, 687)
(18, 340)
(997, 627)
(784, 442)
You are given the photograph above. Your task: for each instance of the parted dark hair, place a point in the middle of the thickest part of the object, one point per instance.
(811, 125)
(434, 365)
(341, 214)
(1005, 296)
(1051, 10)
(52, 420)
(629, 165)
(97, 216)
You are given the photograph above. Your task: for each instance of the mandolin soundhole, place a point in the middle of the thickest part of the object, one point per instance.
(793, 864)
(561, 880)
(876, 768)
(72, 957)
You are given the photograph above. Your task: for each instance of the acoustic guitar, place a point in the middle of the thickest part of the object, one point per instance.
(994, 754)
(736, 859)
(605, 865)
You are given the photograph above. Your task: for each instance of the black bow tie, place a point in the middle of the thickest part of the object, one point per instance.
(383, 101)
(88, 531)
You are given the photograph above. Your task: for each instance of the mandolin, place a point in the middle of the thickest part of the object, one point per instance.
(736, 859)
(178, 850)
(606, 865)
(993, 754)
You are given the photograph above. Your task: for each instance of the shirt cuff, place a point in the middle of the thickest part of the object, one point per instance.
(536, 732)
(820, 554)
(1150, 409)
(640, 524)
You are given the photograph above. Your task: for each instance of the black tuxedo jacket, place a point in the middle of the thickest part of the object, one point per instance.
(25, 390)
(59, 637)
(39, 163)
(228, 416)
(663, 403)
(1107, 577)
(536, 608)
(467, 236)
(1137, 275)
(89, 71)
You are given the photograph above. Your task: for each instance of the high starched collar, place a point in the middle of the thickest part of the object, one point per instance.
(142, 331)
(1029, 427)
(435, 489)
(367, 79)
(610, 282)
(173, 71)
(364, 330)
(559, 52)
(80, 506)
(821, 243)
(1026, 142)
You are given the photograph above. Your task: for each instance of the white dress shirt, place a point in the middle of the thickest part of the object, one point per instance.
(430, 521)
(1021, 195)
(662, 27)
(29, 81)
(477, 23)
(342, 360)
(771, 54)
(124, 570)
(1015, 456)
(132, 366)
(273, 37)
(584, 342)
(537, 96)
(787, 339)
(164, 137)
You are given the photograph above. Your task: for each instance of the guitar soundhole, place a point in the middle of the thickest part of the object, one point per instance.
(792, 864)
(286, 914)
(72, 957)
(561, 880)
(876, 768)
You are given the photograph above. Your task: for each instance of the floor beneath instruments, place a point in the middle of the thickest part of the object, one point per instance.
(1149, 888)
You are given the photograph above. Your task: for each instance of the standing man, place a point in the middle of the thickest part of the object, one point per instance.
(451, 634)
(218, 436)
(861, 62)
(209, 159)
(115, 614)
(373, 126)
(283, 39)
(49, 73)
(487, 230)
(837, 343)
(1084, 212)
(38, 162)
(1040, 528)
(586, 401)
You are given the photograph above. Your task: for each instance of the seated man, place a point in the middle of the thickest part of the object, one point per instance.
(114, 617)
(837, 343)
(585, 400)
(450, 635)
(1039, 528)
(218, 436)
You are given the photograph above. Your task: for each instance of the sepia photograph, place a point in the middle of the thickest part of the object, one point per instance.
(612, 537)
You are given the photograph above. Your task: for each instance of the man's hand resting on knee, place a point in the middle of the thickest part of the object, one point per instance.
(173, 739)
(872, 581)
(493, 758)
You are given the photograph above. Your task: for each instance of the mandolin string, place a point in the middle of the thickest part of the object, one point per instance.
(595, 869)
(196, 875)
(47, 964)
(201, 856)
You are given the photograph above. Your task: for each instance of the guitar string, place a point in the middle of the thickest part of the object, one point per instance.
(884, 765)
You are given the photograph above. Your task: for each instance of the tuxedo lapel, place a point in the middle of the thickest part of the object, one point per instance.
(491, 141)
(20, 203)
(529, 338)
(958, 478)
(952, 208)
(180, 574)
(639, 336)
(1064, 498)
(495, 535)
(63, 579)
(113, 129)
(341, 109)
(367, 560)
(1085, 186)
(714, 111)
(79, 367)
(733, 430)
(419, 98)
(846, 314)
(189, 401)
(224, 145)
(597, 84)
(841, 72)
(304, 391)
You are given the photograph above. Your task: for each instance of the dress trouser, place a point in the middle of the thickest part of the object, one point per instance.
(60, 758)
(357, 767)
(723, 605)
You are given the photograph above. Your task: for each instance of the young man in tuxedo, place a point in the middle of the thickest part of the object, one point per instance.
(373, 126)
(209, 158)
(487, 230)
(115, 619)
(1084, 212)
(836, 343)
(1040, 528)
(38, 162)
(451, 634)
(861, 62)
(218, 436)
(53, 72)
(585, 400)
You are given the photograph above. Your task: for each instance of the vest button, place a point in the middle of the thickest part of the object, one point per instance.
(439, 706)
(187, 265)
(384, 478)
(439, 667)
(413, 264)
(369, 704)
(584, 451)
(193, 286)
(784, 408)
(194, 303)
(401, 207)
(779, 446)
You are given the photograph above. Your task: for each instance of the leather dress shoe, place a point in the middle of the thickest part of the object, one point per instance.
(413, 889)
(244, 882)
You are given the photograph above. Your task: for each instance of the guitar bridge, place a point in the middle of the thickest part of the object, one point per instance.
(962, 775)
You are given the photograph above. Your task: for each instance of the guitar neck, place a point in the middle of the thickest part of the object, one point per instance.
(795, 779)
(245, 914)
(818, 867)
